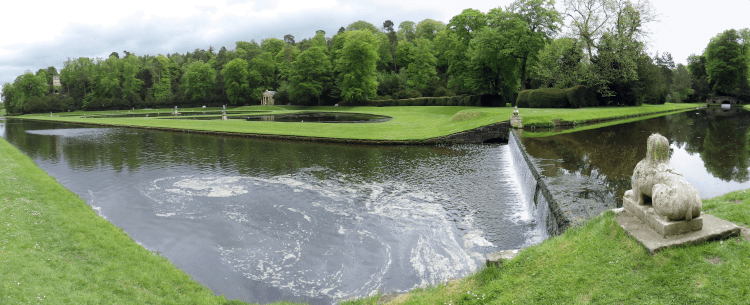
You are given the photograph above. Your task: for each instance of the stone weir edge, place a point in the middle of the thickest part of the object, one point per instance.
(461, 137)
(563, 222)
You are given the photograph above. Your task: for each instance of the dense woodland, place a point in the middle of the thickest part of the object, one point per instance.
(497, 53)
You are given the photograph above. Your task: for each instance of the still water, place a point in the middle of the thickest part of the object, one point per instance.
(709, 147)
(266, 220)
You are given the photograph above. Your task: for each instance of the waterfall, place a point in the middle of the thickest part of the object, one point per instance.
(533, 188)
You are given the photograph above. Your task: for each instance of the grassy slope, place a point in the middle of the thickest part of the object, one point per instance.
(408, 123)
(53, 247)
(600, 263)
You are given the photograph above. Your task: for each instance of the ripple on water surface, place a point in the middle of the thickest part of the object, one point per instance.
(370, 231)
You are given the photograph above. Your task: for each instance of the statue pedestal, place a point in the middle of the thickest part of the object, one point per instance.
(660, 224)
(516, 122)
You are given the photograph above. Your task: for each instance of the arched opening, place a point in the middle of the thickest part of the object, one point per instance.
(726, 102)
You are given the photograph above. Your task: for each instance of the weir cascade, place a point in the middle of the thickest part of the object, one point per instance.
(537, 196)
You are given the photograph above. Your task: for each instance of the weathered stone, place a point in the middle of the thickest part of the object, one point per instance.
(714, 228)
(516, 121)
(497, 258)
(660, 224)
(653, 177)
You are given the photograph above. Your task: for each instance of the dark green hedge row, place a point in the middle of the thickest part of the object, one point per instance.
(460, 100)
(576, 97)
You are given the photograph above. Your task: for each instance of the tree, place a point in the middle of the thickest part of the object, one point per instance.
(288, 38)
(272, 45)
(682, 84)
(284, 60)
(392, 40)
(428, 29)
(422, 64)
(198, 80)
(310, 74)
(235, 76)
(462, 29)
(726, 64)
(362, 25)
(492, 69)
(559, 64)
(261, 75)
(356, 63)
(532, 24)
(697, 68)
(407, 30)
(591, 19)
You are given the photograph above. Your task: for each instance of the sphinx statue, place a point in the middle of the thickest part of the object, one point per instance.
(671, 195)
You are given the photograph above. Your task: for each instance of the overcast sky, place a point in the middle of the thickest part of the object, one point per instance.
(38, 34)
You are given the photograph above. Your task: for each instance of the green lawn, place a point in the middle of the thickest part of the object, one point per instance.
(599, 263)
(55, 249)
(408, 123)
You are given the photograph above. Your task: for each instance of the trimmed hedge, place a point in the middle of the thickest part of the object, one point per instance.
(459, 100)
(576, 97)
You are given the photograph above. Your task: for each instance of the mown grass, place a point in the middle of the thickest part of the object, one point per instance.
(408, 123)
(55, 249)
(599, 263)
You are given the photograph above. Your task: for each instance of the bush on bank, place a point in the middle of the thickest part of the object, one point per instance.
(575, 97)
(486, 100)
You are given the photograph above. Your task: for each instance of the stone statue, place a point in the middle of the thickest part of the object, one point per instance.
(516, 121)
(672, 196)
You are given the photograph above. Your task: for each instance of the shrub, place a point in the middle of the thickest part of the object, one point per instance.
(576, 97)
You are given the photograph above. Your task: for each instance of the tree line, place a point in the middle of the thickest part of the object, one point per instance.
(524, 45)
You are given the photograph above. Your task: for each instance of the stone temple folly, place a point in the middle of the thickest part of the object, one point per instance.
(663, 209)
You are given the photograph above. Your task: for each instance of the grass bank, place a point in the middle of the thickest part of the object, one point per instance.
(55, 249)
(599, 263)
(408, 123)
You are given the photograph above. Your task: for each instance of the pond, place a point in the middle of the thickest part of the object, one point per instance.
(263, 220)
(709, 147)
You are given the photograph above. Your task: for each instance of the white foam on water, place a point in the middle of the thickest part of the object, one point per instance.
(321, 242)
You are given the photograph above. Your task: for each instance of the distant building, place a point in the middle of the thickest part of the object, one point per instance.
(268, 98)
(56, 83)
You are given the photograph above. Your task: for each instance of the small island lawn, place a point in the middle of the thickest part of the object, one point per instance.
(408, 124)
(599, 263)
(55, 249)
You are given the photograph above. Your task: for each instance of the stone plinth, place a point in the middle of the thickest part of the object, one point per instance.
(714, 228)
(660, 224)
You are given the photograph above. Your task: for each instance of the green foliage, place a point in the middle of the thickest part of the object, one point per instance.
(726, 62)
(422, 65)
(356, 62)
(235, 77)
(198, 80)
(492, 69)
(576, 97)
(310, 75)
(559, 64)
(428, 29)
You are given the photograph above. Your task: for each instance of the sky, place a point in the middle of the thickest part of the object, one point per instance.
(43, 33)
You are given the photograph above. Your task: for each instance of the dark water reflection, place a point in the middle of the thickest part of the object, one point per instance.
(708, 146)
(268, 220)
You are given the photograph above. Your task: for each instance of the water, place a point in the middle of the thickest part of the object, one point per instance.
(708, 146)
(266, 220)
